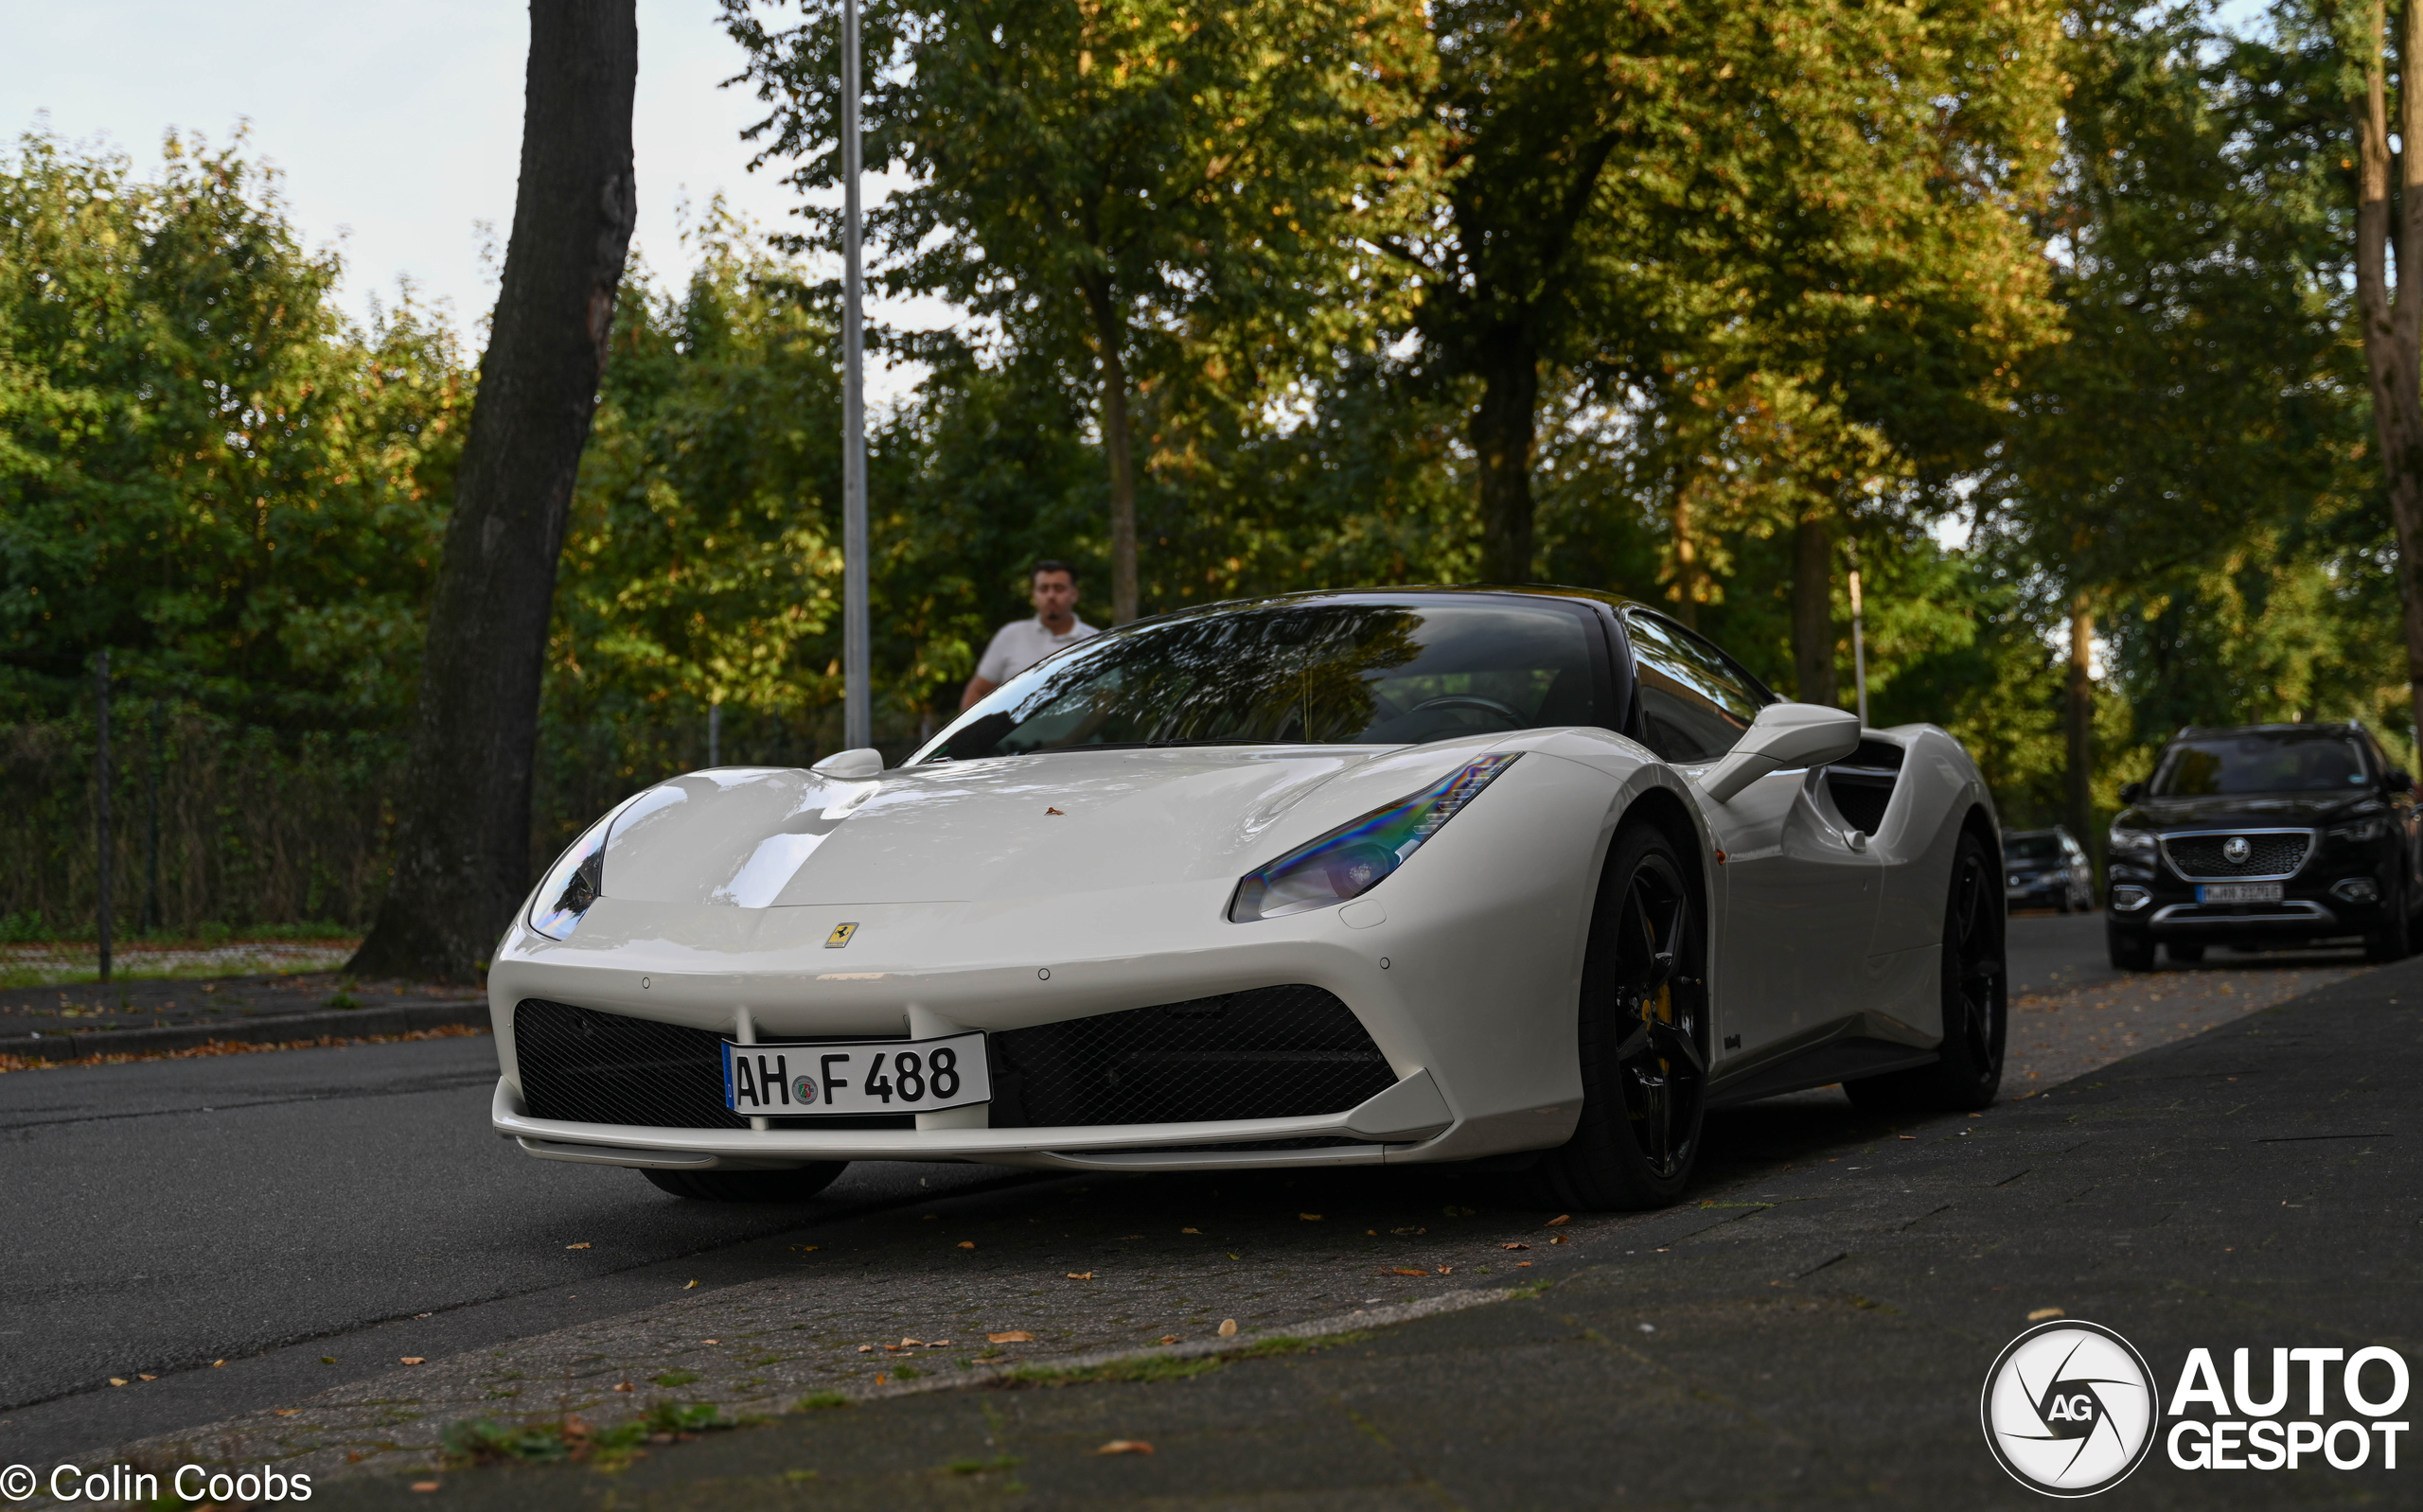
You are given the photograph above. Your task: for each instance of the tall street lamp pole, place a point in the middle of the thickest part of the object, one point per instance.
(857, 705)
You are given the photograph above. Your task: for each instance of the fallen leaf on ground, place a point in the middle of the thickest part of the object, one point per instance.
(1167, 1338)
(1513, 1246)
(907, 1343)
(1190, 1231)
(2042, 1313)
(687, 1288)
(1559, 1240)
(866, 1348)
(576, 1246)
(1402, 1271)
(1125, 1446)
(1227, 1328)
(1445, 1269)
(1909, 1136)
(807, 1248)
(216, 1363)
(117, 1381)
(938, 1344)
(1561, 1217)
(1310, 1217)
(625, 1386)
(147, 1377)
(1012, 1336)
(1519, 1264)
(711, 1340)
(414, 1360)
(1080, 1275)
(424, 1486)
(283, 1412)
(967, 1243)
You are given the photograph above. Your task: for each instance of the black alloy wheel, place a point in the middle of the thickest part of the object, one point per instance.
(1643, 1036)
(796, 1185)
(1976, 1010)
(2392, 938)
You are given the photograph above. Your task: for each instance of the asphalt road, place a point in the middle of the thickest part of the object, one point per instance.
(308, 1217)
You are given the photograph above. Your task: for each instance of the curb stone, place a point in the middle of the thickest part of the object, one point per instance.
(352, 1023)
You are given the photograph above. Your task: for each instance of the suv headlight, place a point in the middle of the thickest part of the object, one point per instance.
(1355, 857)
(2132, 842)
(2368, 828)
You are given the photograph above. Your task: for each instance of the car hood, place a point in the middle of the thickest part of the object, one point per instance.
(2254, 810)
(1072, 822)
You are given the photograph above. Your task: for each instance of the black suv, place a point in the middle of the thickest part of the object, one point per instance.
(2261, 835)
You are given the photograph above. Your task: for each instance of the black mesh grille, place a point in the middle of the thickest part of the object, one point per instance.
(2205, 856)
(1274, 1052)
(583, 1066)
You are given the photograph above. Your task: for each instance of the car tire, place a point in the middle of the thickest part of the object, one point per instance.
(2394, 939)
(796, 1185)
(2129, 949)
(2061, 904)
(2184, 953)
(1976, 1006)
(1643, 1037)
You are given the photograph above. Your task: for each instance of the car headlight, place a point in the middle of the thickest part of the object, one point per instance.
(2369, 828)
(1355, 857)
(572, 883)
(2132, 842)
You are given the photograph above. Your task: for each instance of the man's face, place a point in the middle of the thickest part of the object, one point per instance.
(1056, 596)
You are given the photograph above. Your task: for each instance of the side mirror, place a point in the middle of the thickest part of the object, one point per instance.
(2131, 792)
(852, 765)
(1783, 735)
(2396, 782)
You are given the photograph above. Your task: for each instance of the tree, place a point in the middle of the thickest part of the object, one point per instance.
(463, 832)
(1164, 191)
(2392, 321)
(1825, 192)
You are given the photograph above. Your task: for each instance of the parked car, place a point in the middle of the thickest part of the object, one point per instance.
(2264, 835)
(2046, 869)
(1335, 879)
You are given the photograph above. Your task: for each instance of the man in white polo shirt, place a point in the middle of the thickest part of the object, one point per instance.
(1021, 643)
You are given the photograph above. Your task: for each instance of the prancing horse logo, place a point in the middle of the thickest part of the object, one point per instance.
(2234, 850)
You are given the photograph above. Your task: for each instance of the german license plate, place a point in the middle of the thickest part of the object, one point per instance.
(2238, 892)
(794, 1081)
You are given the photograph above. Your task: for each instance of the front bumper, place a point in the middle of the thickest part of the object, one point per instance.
(1395, 1125)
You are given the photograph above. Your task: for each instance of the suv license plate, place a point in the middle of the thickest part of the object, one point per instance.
(795, 1081)
(2238, 892)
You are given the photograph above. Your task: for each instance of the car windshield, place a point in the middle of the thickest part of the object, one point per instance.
(2259, 763)
(2034, 848)
(1350, 672)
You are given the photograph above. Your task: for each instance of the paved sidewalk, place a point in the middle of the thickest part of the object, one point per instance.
(1816, 1334)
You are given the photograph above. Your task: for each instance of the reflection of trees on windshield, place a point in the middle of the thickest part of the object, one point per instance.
(2260, 764)
(1296, 674)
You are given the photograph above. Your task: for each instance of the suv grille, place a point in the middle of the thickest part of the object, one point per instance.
(1273, 1052)
(2272, 853)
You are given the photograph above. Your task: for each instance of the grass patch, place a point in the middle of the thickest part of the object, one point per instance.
(676, 1377)
(820, 1401)
(483, 1440)
(908, 1372)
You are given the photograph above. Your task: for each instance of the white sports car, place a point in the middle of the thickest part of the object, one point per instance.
(1532, 877)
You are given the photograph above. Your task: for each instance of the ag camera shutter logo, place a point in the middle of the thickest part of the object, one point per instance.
(2070, 1409)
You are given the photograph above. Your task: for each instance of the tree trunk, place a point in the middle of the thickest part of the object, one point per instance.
(2078, 722)
(1813, 609)
(463, 830)
(2394, 326)
(1687, 553)
(1108, 333)
(1504, 429)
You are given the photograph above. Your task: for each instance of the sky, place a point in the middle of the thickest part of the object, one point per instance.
(398, 127)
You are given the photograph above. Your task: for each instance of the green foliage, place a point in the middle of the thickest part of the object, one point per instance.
(204, 467)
